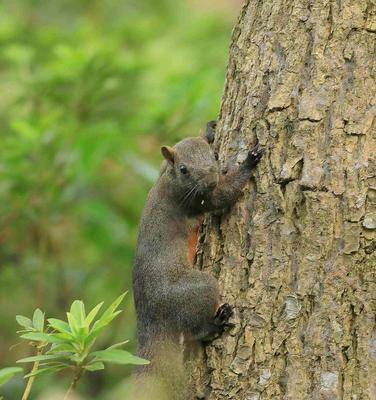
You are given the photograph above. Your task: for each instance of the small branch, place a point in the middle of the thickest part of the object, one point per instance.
(30, 381)
(73, 385)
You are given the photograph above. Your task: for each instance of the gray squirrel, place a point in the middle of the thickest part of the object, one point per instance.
(173, 300)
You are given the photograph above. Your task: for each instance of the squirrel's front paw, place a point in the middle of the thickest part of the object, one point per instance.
(255, 155)
(223, 314)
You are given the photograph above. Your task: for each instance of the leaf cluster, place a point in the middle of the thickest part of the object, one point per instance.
(68, 344)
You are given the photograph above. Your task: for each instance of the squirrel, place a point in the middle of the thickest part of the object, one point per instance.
(172, 299)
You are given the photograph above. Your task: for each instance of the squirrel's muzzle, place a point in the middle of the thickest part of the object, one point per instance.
(208, 180)
(212, 185)
(211, 182)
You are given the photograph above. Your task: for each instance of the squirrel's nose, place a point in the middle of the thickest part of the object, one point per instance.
(212, 184)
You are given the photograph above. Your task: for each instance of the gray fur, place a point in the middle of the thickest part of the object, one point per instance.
(171, 297)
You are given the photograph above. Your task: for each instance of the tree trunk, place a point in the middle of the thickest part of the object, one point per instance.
(297, 255)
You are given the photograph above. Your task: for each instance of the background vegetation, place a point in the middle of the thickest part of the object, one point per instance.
(89, 91)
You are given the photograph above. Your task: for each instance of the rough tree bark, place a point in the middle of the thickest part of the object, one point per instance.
(297, 255)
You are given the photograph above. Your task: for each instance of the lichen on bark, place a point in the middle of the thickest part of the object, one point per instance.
(297, 255)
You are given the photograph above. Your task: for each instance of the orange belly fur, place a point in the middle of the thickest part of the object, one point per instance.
(192, 244)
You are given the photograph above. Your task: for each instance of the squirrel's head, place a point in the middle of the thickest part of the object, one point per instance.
(193, 166)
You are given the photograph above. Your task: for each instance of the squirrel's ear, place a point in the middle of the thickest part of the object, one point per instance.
(210, 131)
(168, 153)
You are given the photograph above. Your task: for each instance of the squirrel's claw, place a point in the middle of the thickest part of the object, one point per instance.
(223, 314)
(255, 155)
(229, 325)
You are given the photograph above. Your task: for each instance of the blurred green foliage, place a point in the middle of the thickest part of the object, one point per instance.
(89, 91)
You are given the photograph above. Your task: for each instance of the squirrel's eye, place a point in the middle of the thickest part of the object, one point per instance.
(183, 169)
(216, 155)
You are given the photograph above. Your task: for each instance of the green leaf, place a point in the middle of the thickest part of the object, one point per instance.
(95, 366)
(73, 323)
(38, 320)
(24, 321)
(7, 373)
(118, 357)
(116, 345)
(78, 311)
(105, 319)
(41, 337)
(99, 326)
(59, 325)
(43, 357)
(76, 358)
(47, 370)
(63, 337)
(61, 348)
(92, 314)
(110, 310)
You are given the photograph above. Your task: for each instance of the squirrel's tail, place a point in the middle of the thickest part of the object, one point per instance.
(165, 378)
